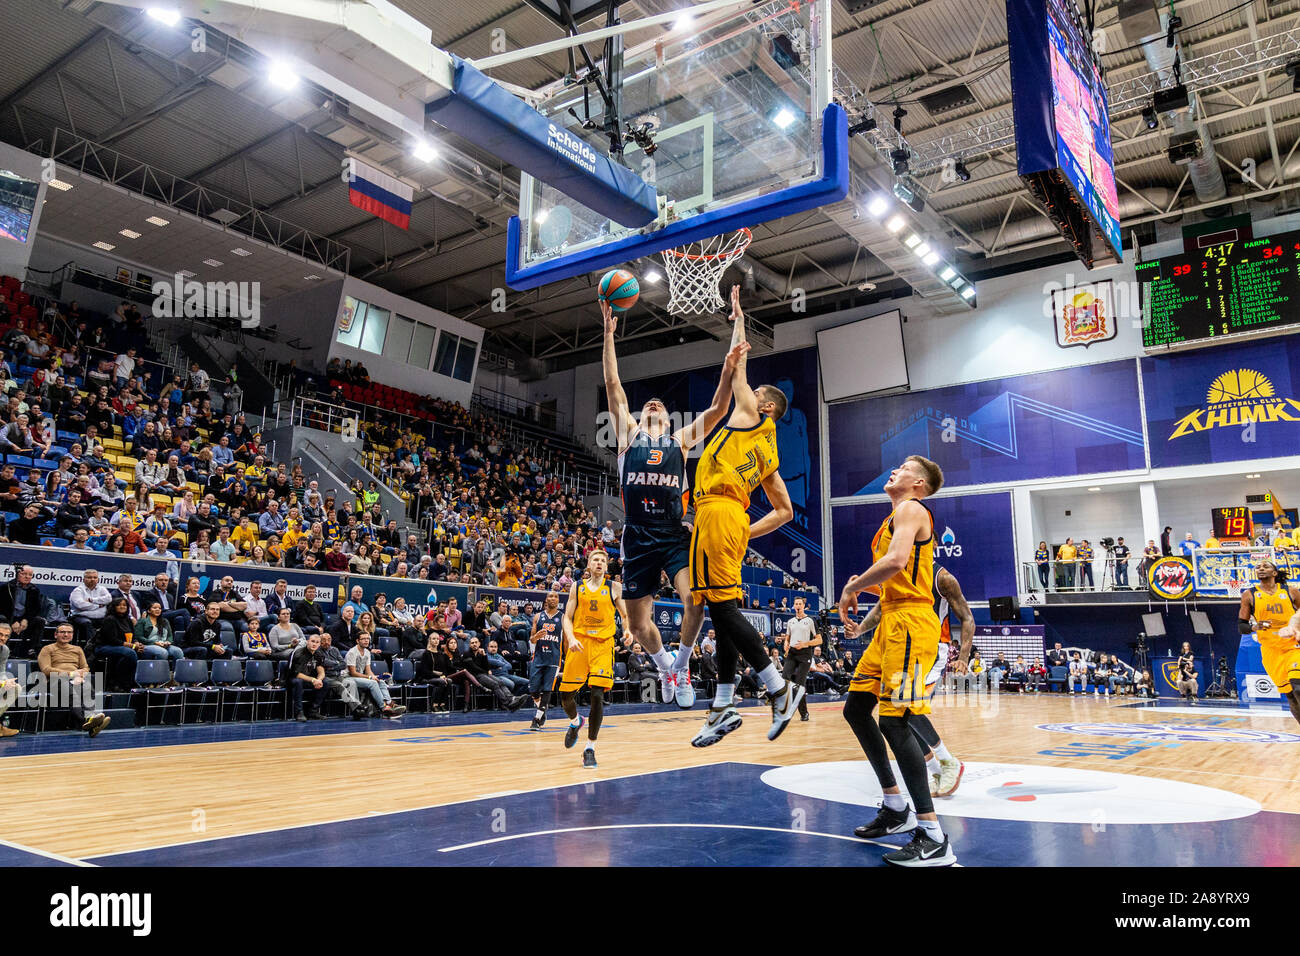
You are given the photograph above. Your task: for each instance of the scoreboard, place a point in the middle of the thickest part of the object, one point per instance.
(1247, 285)
(1232, 522)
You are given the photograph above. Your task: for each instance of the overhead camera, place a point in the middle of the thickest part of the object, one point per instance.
(865, 287)
(643, 135)
(1108, 544)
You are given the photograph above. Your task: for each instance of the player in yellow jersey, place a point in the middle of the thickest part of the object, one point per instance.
(893, 669)
(945, 769)
(589, 629)
(740, 457)
(1271, 610)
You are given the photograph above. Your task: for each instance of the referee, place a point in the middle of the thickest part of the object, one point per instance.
(800, 639)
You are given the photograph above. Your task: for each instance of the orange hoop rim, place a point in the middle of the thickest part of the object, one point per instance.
(677, 253)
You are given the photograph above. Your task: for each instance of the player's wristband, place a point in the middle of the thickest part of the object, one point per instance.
(1245, 627)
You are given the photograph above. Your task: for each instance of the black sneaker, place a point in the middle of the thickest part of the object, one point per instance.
(536, 724)
(589, 758)
(300, 716)
(803, 716)
(517, 702)
(923, 851)
(315, 715)
(887, 821)
(571, 735)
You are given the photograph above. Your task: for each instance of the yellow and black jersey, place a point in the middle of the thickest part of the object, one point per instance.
(736, 461)
(1277, 609)
(593, 617)
(915, 583)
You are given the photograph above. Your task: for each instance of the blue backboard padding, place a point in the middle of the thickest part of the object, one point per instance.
(507, 127)
(831, 188)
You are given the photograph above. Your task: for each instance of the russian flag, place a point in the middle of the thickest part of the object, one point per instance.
(379, 194)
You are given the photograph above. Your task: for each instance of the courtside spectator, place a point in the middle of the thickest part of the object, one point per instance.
(64, 664)
(360, 670)
(307, 680)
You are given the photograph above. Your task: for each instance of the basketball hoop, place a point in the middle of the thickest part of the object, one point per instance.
(695, 270)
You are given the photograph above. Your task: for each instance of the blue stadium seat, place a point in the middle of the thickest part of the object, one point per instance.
(228, 678)
(150, 676)
(389, 646)
(260, 676)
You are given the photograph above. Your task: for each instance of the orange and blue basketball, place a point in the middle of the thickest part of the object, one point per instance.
(619, 288)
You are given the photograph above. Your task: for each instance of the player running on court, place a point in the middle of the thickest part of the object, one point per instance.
(741, 457)
(945, 770)
(589, 629)
(1271, 611)
(548, 630)
(652, 481)
(892, 670)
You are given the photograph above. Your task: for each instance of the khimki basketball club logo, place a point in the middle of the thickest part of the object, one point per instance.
(1082, 315)
(1238, 397)
(1181, 733)
(1171, 578)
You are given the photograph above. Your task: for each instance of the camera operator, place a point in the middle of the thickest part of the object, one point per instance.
(1120, 553)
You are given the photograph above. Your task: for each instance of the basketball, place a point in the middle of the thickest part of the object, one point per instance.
(619, 288)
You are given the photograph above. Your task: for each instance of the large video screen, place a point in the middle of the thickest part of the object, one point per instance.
(17, 202)
(1229, 288)
(1079, 113)
(1059, 101)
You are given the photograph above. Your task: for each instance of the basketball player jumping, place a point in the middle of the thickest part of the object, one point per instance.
(548, 629)
(892, 670)
(589, 629)
(739, 458)
(1271, 610)
(945, 770)
(652, 480)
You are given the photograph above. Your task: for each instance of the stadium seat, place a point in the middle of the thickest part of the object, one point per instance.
(228, 678)
(259, 675)
(192, 676)
(151, 676)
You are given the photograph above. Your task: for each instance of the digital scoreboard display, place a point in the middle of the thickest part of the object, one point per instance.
(1247, 285)
(1232, 522)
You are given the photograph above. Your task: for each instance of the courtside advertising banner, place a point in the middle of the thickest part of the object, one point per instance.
(59, 571)
(419, 595)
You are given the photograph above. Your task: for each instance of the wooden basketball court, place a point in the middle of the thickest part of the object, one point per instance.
(417, 788)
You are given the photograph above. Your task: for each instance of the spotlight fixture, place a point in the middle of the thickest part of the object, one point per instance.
(164, 15)
(424, 152)
(1150, 117)
(878, 206)
(896, 224)
(863, 126)
(899, 113)
(947, 273)
(653, 276)
(912, 241)
(1170, 99)
(962, 172)
(907, 193)
(899, 157)
(1175, 24)
(783, 118)
(282, 76)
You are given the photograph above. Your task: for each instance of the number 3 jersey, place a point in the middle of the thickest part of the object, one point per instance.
(652, 477)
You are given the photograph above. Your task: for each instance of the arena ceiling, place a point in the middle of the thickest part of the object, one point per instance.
(80, 72)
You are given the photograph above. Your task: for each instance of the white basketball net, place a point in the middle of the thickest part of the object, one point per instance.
(694, 271)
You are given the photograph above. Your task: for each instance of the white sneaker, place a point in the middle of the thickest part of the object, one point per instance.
(685, 690)
(720, 722)
(949, 776)
(784, 706)
(668, 684)
(936, 780)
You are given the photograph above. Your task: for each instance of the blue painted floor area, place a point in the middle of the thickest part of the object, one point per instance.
(1230, 704)
(18, 856)
(721, 814)
(26, 745)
